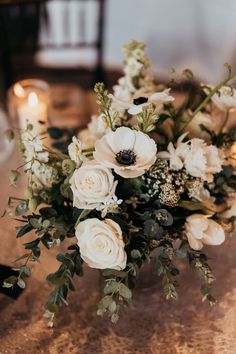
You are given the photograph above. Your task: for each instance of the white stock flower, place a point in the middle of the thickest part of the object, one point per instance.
(130, 153)
(201, 230)
(132, 67)
(136, 104)
(101, 244)
(194, 127)
(224, 98)
(33, 148)
(75, 151)
(47, 175)
(198, 158)
(92, 184)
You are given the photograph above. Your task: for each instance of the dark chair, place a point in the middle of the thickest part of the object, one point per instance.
(19, 37)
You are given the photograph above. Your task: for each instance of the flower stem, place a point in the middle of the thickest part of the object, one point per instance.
(207, 99)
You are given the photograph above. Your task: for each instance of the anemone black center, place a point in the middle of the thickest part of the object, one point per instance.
(126, 157)
(140, 100)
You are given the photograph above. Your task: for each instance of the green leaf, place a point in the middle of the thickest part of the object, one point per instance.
(135, 254)
(24, 230)
(21, 283)
(125, 291)
(111, 287)
(26, 271)
(48, 212)
(32, 244)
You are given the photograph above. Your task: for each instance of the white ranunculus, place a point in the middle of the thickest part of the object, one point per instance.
(202, 160)
(75, 151)
(46, 174)
(194, 127)
(224, 98)
(130, 153)
(136, 104)
(201, 230)
(198, 158)
(101, 244)
(92, 184)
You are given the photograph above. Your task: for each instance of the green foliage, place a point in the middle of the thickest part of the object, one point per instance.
(62, 279)
(147, 119)
(104, 102)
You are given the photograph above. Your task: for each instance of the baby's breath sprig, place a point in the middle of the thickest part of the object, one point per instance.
(104, 102)
(147, 119)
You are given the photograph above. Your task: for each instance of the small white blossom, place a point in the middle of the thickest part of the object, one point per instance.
(109, 206)
(33, 148)
(46, 174)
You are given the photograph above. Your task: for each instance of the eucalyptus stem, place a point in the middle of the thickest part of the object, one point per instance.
(207, 99)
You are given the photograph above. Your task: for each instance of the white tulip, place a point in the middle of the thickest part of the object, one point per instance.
(92, 184)
(101, 244)
(130, 153)
(201, 230)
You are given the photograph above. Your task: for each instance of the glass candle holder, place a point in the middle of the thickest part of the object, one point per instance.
(28, 103)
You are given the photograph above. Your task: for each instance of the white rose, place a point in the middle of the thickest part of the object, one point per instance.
(129, 152)
(75, 151)
(92, 184)
(101, 244)
(201, 230)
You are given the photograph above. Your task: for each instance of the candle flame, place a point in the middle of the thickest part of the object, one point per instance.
(33, 99)
(18, 90)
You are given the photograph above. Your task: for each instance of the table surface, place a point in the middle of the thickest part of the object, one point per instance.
(152, 325)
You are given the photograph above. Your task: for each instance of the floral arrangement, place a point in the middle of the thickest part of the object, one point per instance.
(147, 179)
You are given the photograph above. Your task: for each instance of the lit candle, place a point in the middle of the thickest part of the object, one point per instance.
(34, 112)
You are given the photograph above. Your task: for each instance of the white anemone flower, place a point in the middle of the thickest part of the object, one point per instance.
(130, 153)
(136, 105)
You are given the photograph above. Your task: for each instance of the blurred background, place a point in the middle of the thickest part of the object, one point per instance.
(79, 40)
(71, 44)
